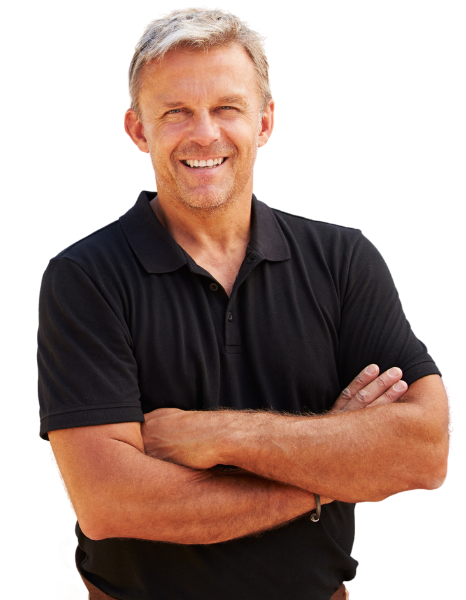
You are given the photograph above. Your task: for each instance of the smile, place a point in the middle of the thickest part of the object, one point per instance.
(203, 164)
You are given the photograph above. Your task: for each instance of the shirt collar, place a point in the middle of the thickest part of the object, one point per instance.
(159, 253)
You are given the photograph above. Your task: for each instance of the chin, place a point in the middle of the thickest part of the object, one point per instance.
(209, 201)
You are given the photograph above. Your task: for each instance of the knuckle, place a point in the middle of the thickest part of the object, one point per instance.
(362, 396)
(381, 382)
(346, 394)
(390, 396)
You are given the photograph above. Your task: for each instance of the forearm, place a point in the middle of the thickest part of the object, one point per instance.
(397, 443)
(362, 456)
(137, 496)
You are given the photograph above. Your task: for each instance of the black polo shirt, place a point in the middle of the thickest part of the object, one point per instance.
(130, 323)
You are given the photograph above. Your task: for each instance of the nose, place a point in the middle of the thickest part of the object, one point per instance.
(204, 129)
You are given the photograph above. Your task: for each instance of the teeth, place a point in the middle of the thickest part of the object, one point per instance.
(204, 163)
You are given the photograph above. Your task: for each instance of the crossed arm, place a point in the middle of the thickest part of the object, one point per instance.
(156, 484)
(354, 457)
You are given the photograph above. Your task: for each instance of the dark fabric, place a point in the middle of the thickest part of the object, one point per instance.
(129, 323)
(94, 592)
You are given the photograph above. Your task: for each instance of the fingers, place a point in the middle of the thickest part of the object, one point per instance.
(364, 378)
(390, 387)
(370, 389)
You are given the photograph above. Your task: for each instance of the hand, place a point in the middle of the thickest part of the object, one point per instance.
(183, 437)
(370, 390)
(367, 389)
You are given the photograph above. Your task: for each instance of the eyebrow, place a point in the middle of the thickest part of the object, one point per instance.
(224, 100)
(233, 100)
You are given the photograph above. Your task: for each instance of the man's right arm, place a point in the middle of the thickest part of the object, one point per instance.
(118, 491)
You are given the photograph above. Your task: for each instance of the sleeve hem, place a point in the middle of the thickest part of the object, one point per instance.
(415, 372)
(95, 416)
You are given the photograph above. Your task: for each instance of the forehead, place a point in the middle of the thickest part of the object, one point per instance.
(184, 73)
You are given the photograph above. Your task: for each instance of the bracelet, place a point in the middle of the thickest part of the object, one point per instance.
(315, 516)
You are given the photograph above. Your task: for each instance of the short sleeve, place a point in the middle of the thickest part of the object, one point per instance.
(87, 370)
(373, 327)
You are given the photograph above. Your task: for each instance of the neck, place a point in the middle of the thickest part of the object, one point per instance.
(219, 227)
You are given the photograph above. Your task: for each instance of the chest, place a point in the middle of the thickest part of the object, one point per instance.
(271, 344)
(223, 270)
(224, 273)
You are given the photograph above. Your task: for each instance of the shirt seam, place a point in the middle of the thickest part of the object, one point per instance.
(88, 408)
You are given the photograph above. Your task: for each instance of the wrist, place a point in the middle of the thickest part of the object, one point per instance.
(223, 435)
(237, 436)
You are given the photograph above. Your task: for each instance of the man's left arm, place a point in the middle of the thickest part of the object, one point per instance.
(350, 455)
(364, 455)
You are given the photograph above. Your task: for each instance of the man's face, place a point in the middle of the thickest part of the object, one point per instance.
(205, 109)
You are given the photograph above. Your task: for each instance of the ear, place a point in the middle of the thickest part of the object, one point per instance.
(135, 129)
(266, 123)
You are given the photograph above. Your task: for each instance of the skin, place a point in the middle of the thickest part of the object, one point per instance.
(193, 438)
(400, 445)
(197, 105)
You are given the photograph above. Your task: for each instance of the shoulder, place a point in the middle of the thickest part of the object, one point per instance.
(330, 243)
(302, 227)
(99, 254)
(101, 245)
(333, 253)
(102, 261)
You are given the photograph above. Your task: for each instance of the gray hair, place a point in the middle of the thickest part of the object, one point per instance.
(198, 29)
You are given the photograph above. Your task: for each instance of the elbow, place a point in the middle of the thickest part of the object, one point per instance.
(94, 532)
(435, 468)
(94, 528)
(432, 481)
(96, 524)
(428, 454)
(440, 463)
(436, 476)
(430, 476)
(90, 532)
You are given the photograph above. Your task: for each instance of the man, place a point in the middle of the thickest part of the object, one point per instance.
(200, 298)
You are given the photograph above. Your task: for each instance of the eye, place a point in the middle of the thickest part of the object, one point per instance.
(227, 108)
(174, 111)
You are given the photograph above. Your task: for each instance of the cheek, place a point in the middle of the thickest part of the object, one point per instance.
(161, 155)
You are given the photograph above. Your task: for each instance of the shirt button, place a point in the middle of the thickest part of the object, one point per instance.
(213, 287)
(230, 316)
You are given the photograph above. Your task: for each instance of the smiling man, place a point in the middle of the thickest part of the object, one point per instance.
(196, 116)
(202, 298)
